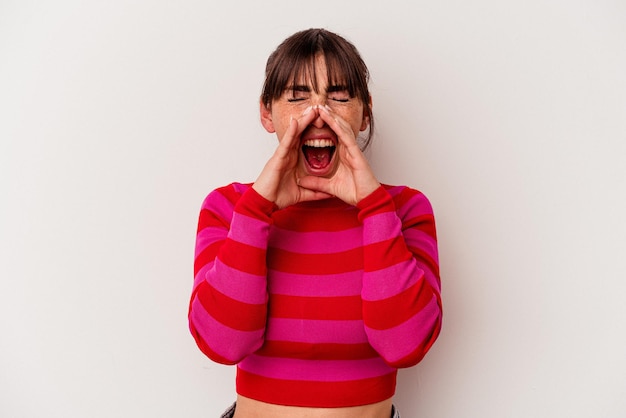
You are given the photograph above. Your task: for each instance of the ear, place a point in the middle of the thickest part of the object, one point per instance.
(366, 120)
(266, 118)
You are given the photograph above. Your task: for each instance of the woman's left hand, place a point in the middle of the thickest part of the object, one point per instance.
(354, 178)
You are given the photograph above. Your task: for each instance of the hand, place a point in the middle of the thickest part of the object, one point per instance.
(354, 178)
(278, 180)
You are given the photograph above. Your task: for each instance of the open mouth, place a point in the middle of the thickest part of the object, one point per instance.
(318, 153)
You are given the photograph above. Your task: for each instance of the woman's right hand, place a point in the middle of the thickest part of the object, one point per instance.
(278, 181)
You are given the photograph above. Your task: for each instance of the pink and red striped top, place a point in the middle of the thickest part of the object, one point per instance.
(318, 304)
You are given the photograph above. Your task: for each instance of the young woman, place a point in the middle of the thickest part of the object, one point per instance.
(316, 280)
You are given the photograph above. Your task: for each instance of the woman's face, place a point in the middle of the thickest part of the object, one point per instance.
(318, 141)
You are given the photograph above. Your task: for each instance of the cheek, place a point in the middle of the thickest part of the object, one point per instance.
(352, 114)
(282, 118)
(293, 111)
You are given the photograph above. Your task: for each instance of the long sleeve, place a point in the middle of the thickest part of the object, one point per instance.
(318, 303)
(401, 286)
(228, 307)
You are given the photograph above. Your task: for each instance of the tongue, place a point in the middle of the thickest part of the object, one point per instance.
(318, 157)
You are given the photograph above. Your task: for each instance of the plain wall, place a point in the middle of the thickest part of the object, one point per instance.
(118, 117)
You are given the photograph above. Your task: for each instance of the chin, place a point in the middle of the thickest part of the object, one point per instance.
(326, 172)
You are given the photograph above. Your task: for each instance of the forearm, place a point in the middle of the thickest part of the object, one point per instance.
(228, 307)
(401, 299)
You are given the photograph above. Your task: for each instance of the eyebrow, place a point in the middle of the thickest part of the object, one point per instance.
(300, 87)
(337, 87)
(306, 89)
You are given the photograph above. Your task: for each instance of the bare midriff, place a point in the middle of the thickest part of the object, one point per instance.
(250, 408)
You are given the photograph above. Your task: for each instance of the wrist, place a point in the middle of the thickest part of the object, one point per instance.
(367, 191)
(254, 204)
(263, 191)
(378, 201)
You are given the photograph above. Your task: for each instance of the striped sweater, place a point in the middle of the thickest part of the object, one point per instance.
(319, 303)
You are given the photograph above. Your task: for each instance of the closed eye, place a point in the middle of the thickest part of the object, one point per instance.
(338, 94)
(298, 93)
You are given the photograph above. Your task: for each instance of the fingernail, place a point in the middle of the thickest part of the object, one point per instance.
(326, 108)
(307, 110)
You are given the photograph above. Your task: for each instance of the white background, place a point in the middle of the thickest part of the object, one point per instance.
(118, 117)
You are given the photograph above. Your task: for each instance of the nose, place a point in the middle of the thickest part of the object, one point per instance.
(318, 122)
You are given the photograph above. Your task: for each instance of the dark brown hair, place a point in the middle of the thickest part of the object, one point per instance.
(294, 59)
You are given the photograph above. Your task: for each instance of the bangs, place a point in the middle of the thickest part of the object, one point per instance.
(295, 65)
(304, 72)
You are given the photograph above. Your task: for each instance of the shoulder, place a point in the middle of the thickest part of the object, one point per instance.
(220, 203)
(227, 194)
(407, 199)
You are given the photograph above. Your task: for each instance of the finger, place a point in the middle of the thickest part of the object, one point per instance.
(297, 126)
(317, 184)
(309, 114)
(310, 194)
(339, 126)
(349, 148)
(288, 140)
